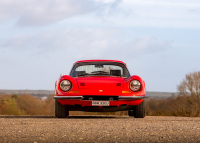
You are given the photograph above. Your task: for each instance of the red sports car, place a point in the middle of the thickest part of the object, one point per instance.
(100, 86)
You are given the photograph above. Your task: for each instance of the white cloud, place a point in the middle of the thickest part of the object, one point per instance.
(120, 13)
(156, 13)
(68, 39)
(37, 12)
(86, 43)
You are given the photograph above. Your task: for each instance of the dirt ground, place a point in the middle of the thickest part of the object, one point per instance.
(38, 129)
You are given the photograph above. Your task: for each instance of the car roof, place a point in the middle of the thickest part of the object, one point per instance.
(83, 61)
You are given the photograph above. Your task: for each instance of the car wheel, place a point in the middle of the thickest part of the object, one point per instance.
(139, 110)
(60, 110)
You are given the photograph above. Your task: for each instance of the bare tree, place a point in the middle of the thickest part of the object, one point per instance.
(189, 88)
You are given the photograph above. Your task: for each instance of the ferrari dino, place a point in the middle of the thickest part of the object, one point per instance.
(100, 86)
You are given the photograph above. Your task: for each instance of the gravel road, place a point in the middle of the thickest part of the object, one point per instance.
(102, 129)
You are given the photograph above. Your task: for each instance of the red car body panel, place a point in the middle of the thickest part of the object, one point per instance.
(100, 86)
(83, 61)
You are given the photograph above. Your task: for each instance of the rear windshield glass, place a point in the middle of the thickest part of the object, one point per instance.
(99, 69)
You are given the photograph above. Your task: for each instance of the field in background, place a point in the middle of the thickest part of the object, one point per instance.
(35, 105)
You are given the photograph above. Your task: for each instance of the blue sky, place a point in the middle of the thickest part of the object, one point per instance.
(39, 40)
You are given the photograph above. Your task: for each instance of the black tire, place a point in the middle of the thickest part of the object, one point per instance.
(60, 110)
(139, 110)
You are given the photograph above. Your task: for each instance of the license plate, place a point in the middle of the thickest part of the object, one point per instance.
(100, 103)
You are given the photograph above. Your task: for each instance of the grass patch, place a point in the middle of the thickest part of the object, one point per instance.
(186, 106)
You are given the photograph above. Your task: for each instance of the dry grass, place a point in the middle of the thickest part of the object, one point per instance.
(26, 105)
(185, 106)
(9, 106)
(29, 105)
